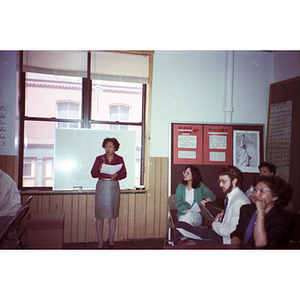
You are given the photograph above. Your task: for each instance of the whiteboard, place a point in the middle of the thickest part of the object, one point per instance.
(75, 151)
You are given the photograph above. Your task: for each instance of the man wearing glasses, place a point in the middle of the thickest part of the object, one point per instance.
(230, 181)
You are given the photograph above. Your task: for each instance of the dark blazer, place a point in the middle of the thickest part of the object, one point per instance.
(279, 225)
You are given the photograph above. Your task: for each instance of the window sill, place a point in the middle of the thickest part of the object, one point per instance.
(83, 192)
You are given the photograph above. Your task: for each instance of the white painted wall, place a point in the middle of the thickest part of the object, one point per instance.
(189, 86)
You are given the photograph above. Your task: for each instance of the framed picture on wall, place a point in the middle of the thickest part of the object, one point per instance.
(246, 152)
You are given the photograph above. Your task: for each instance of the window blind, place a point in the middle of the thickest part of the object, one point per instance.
(115, 66)
(112, 66)
(67, 63)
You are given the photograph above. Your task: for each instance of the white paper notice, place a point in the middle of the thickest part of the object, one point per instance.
(110, 169)
(187, 154)
(217, 141)
(217, 156)
(187, 141)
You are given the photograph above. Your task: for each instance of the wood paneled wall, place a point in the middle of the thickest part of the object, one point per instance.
(9, 165)
(143, 214)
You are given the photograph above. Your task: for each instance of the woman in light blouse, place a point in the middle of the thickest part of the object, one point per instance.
(192, 190)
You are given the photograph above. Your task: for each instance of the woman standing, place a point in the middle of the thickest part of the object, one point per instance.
(192, 190)
(107, 196)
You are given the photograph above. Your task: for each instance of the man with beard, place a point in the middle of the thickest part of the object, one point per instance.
(230, 181)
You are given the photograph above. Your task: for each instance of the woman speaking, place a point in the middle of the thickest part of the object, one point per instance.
(107, 196)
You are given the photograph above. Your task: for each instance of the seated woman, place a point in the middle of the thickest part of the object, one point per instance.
(266, 223)
(192, 191)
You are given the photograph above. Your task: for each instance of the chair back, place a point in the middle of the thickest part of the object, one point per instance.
(4, 234)
(28, 200)
(172, 211)
(9, 237)
(171, 202)
(208, 215)
(16, 222)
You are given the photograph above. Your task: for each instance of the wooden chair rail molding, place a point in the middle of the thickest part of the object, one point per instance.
(143, 214)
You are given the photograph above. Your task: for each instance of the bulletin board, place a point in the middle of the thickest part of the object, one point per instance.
(283, 138)
(218, 145)
(187, 146)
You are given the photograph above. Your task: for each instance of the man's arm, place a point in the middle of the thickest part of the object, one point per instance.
(226, 228)
(236, 240)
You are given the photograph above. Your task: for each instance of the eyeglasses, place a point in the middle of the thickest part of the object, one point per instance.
(261, 191)
(186, 173)
(222, 181)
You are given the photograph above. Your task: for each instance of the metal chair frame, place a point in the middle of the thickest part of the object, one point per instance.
(207, 220)
(10, 239)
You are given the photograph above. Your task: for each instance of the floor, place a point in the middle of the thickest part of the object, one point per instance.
(143, 244)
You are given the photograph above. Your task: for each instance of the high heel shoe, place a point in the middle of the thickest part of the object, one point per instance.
(110, 245)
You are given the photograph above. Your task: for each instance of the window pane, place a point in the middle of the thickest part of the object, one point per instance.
(108, 94)
(68, 110)
(38, 153)
(44, 91)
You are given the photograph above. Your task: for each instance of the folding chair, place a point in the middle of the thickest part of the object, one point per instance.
(172, 219)
(208, 217)
(11, 238)
(28, 200)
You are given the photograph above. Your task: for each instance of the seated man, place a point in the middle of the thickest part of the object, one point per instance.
(266, 223)
(230, 181)
(265, 169)
(10, 200)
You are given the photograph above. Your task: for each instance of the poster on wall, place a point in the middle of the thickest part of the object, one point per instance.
(187, 144)
(246, 152)
(217, 145)
(6, 132)
(279, 138)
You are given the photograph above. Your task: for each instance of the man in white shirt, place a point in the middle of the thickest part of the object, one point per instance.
(10, 200)
(230, 181)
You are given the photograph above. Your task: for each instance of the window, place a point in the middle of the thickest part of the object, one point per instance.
(119, 113)
(78, 89)
(67, 110)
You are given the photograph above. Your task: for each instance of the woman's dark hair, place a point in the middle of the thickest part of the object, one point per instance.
(233, 172)
(197, 178)
(113, 140)
(278, 187)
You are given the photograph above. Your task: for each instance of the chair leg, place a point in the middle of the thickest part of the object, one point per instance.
(168, 235)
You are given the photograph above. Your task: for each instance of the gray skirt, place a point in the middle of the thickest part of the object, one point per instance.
(107, 199)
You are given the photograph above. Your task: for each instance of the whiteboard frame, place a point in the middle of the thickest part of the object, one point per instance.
(78, 149)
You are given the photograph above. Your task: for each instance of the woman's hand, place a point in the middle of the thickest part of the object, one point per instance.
(204, 201)
(101, 163)
(113, 176)
(260, 204)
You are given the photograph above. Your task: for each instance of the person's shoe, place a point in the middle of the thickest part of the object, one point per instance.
(110, 245)
(183, 242)
(190, 243)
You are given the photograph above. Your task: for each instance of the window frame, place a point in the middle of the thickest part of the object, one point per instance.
(85, 119)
